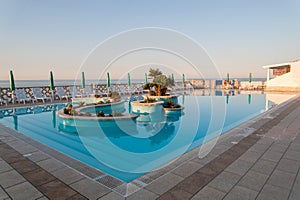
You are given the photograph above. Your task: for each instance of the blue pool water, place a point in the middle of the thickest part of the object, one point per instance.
(127, 150)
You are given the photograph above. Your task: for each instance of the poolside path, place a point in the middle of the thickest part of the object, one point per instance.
(263, 164)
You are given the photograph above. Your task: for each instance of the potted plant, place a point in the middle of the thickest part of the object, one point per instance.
(160, 83)
(170, 107)
(159, 86)
(146, 106)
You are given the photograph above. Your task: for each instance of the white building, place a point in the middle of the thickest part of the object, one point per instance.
(284, 76)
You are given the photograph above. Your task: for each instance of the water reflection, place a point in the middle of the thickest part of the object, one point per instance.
(54, 118)
(249, 98)
(15, 119)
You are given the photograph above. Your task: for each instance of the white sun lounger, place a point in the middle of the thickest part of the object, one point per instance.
(22, 97)
(38, 95)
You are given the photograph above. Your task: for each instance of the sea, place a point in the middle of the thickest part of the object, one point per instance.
(34, 83)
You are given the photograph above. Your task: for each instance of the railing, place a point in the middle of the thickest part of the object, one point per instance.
(136, 88)
(70, 90)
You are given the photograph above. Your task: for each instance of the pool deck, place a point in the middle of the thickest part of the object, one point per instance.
(257, 160)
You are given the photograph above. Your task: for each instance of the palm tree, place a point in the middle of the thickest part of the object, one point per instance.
(161, 84)
(154, 72)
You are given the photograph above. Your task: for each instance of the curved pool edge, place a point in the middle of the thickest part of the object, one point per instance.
(62, 115)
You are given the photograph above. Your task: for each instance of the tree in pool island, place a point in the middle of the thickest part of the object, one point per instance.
(160, 83)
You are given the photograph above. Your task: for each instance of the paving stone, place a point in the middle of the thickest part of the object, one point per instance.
(225, 181)
(271, 192)
(89, 188)
(294, 146)
(239, 167)
(264, 166)
(38, 156)
(194, 183)
(142, 194)
(24, 191)
(259, 147)
(77, 196)
(164, 183)
(282, 179)
(253, 180)
(10, 178)
(56, 189)
(264, 141)
(38, 177)
(272, 156)
(4, 166)
(282, 140)
(239, 192)
(209, 193)
(298, 177)
(3, 194)
(251, 156)
(24, 166)
(42, 198)
(51, 165)
(156, 173)
(295, 194)
(13, 157)
(176, 193)
(218, 165)
(204, 160)
(222, 148)
(67, 175)
(278, 148)
(25, 148)
(288, 165)
(187, 169)
(112, 195)
(292, 155)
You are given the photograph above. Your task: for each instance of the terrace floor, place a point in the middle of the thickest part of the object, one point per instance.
(258, 160)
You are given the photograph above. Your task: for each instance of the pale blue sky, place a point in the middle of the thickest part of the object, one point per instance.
(240, 36)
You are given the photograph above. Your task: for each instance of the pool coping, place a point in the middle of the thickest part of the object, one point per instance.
(127, 189)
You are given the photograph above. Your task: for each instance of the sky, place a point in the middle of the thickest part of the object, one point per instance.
(237, 36)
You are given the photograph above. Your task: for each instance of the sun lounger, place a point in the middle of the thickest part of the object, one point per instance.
(62, 94)
(21, 96)
(2, 102)
(38, 95)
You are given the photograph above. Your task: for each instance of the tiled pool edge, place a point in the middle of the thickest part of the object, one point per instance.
(135, 184)
(188, 187)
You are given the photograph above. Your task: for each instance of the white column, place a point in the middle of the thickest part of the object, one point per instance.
(268, 74)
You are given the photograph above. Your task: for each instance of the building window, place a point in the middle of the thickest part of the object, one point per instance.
(280, 70)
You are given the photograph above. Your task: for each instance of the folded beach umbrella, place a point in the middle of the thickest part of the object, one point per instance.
(250, 77)
(173, 78)
(183, 79)
(11, 81)
(51, 81)
(146, 79)
(128, 80)
(82, 80)
(227, 79)
(107, 80)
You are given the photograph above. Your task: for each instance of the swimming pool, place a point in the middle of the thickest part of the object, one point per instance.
(129, 150)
